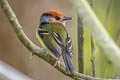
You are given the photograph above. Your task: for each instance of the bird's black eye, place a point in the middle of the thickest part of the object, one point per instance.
(57, 18)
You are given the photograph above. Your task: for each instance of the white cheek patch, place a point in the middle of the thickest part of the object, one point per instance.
(63, 23)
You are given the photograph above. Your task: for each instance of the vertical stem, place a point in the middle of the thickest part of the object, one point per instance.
(92, 47)
(93, 57)
(107, 13)
(92, 3)
(117, 34)
(80, 34)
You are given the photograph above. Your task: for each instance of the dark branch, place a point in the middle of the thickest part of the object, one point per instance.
(92, 47)
(80, 34)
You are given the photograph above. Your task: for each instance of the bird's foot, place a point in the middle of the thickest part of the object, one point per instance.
(44, 50)
(57, 62)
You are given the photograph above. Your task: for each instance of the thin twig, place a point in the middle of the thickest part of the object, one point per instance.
(92, 3)
(107, 13)
(32, 47)
(93, 57)
(92, 47)
(117, 34)
(80, 45)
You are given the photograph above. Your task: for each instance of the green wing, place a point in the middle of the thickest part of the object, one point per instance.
(56, 39)
(52, 36)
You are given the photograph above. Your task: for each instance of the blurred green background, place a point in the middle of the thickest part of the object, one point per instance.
(28, 13)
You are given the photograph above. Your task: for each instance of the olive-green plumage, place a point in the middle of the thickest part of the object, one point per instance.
(56, 29)
(53, 35)
(48, 40)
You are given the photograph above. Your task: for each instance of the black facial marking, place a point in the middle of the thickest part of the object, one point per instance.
(57, 18)
(47, 14)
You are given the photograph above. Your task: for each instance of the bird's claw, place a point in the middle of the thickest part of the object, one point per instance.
(57, 62)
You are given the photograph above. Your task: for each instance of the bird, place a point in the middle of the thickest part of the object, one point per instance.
(53, 35)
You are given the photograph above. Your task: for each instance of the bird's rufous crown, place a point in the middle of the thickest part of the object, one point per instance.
(55, 13)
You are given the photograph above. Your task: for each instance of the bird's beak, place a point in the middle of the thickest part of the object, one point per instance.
(67, 18)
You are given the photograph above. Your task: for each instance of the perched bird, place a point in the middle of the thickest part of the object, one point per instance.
(53, 35)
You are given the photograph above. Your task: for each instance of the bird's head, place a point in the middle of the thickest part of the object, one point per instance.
(54, 16)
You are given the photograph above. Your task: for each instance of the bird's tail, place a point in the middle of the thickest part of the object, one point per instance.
(68, 63)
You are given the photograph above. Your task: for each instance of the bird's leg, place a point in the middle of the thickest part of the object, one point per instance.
(57, 61)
